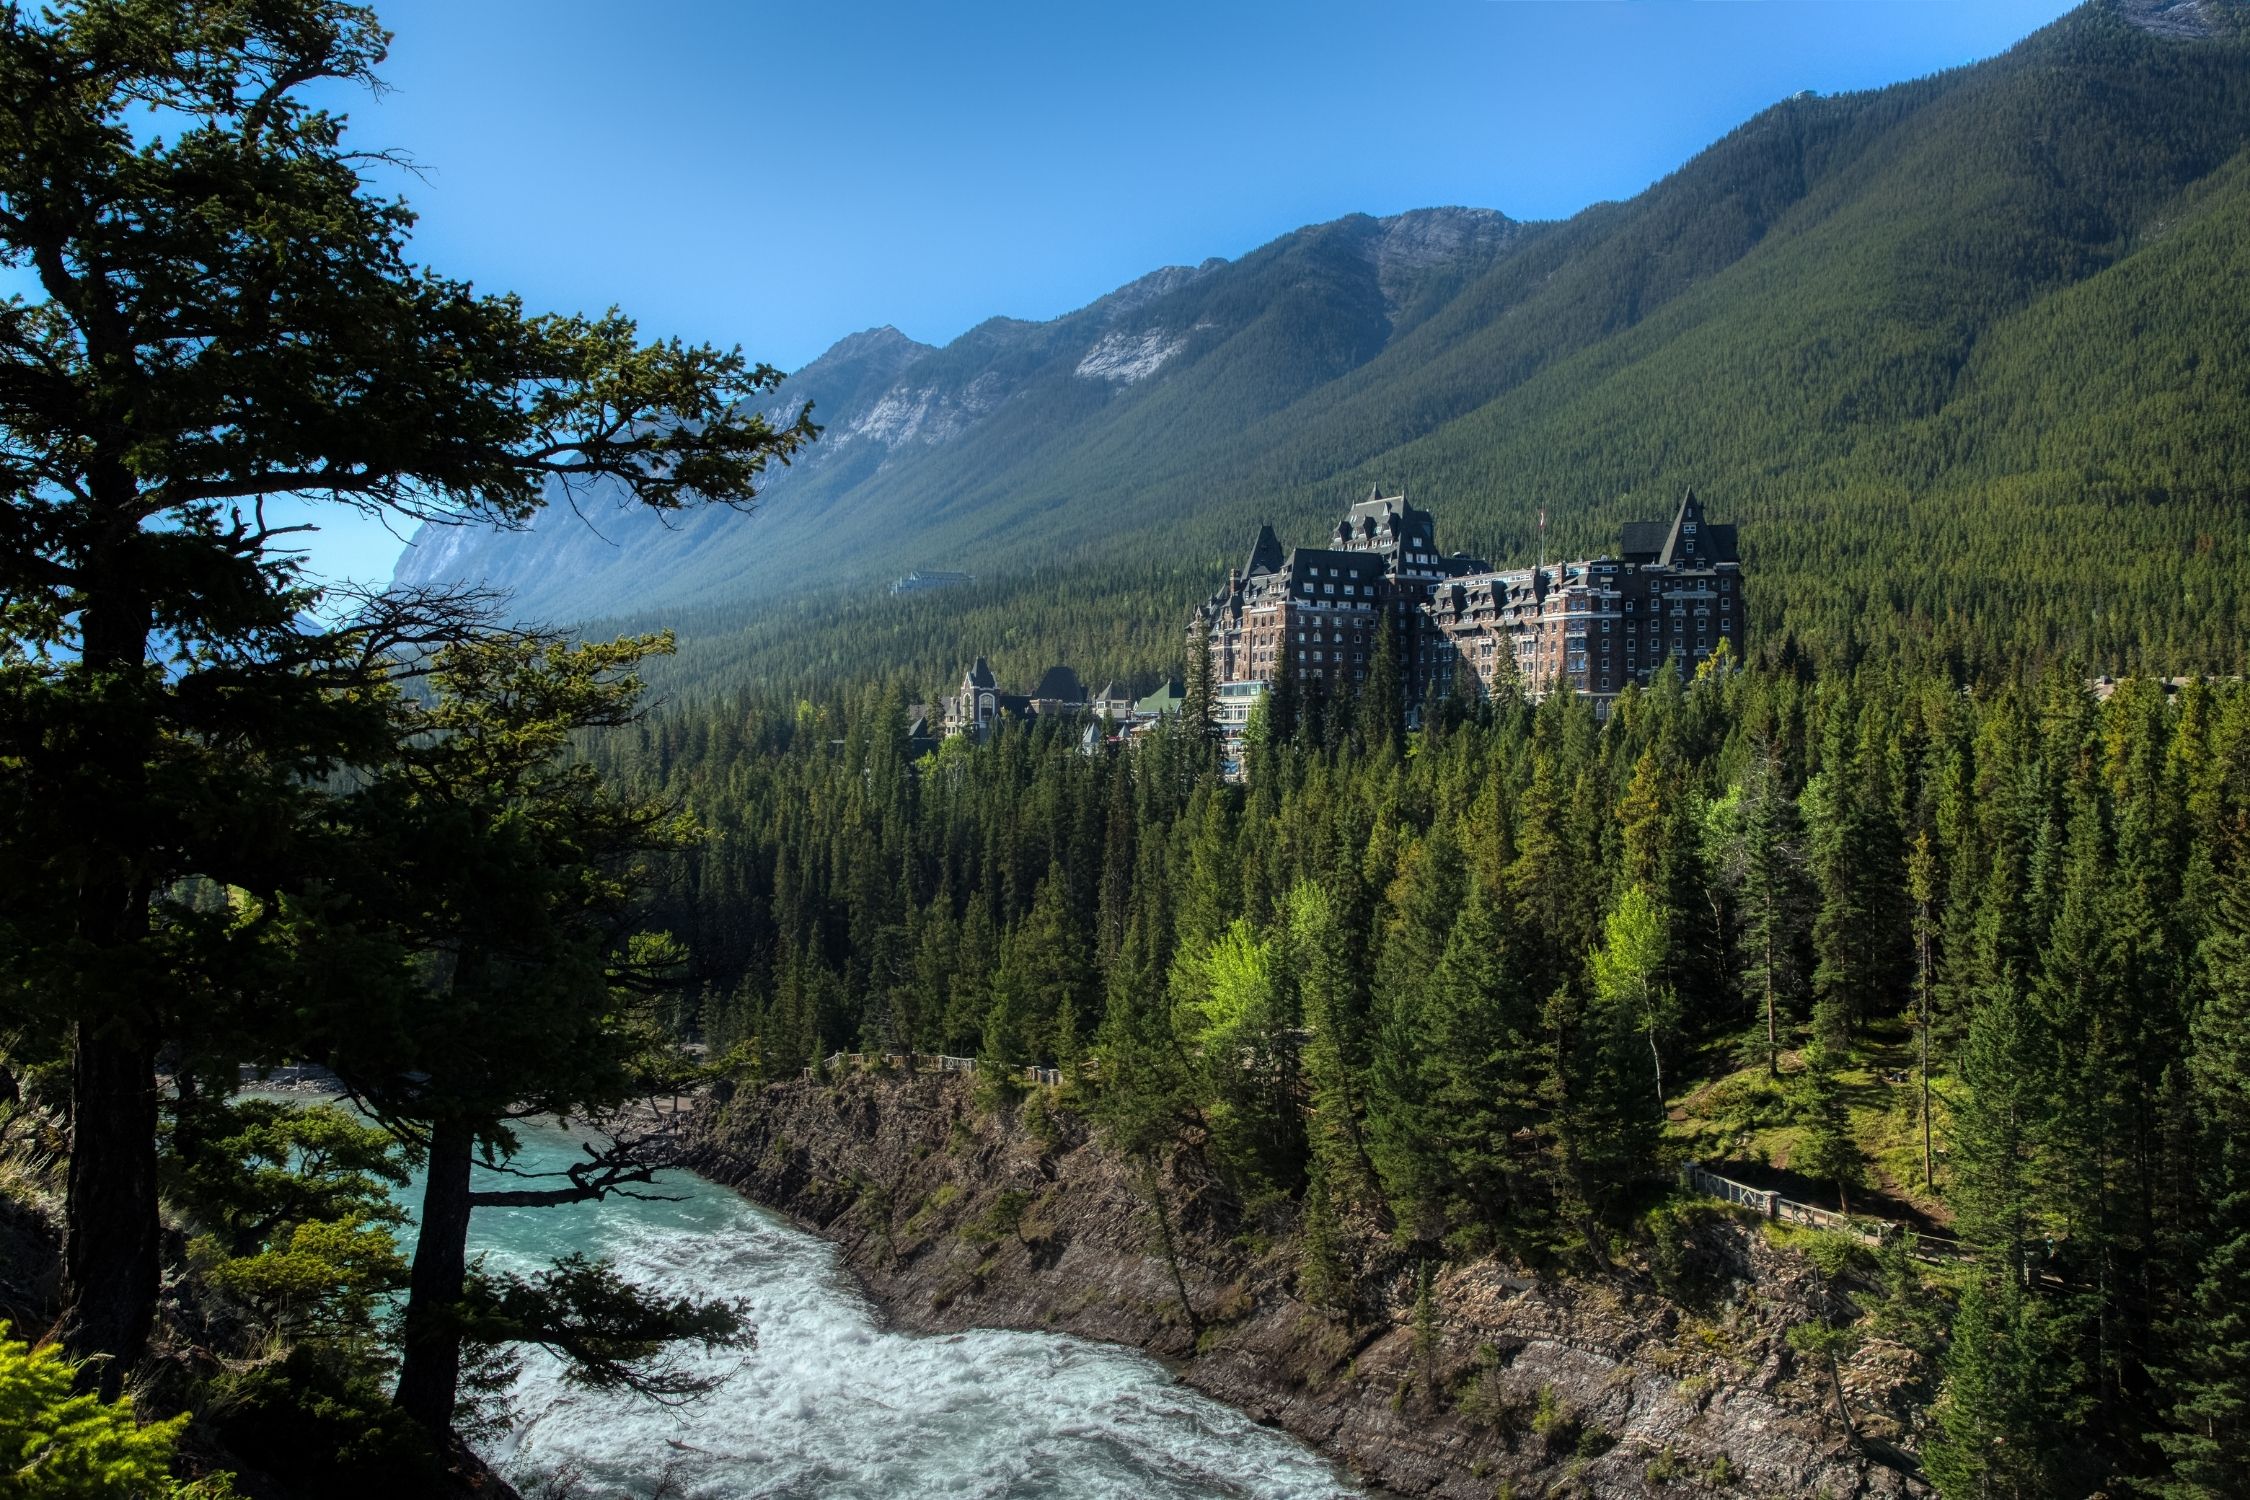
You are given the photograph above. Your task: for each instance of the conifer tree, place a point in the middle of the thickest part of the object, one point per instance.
(2207, 1376)
(2004, 1401)
(1851, 852)
(1199, 708)
(1757, 849)
(1922, 890)
(1830, 1153)
(1382, 696)
(218, 313)
(1336, 1057)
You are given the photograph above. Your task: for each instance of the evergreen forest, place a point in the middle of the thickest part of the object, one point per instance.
(1968, 957)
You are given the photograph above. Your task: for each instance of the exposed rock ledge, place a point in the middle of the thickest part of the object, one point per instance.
(919, 1187)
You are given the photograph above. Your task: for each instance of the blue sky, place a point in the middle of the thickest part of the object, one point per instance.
(781, 175)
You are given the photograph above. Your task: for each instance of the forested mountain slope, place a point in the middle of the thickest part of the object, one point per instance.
(1965, 357)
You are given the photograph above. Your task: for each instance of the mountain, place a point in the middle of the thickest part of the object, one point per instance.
(1968, 359)
(924, 450)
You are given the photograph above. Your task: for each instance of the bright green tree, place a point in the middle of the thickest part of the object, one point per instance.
(1628, 976)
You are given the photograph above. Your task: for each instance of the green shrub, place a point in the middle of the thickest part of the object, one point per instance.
(60, 1446)
(1553, 1423)
(1001, 1220)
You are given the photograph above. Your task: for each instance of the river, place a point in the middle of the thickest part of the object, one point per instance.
(834, 1404)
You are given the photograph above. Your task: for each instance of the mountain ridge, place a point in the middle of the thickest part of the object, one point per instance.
(1825, 318)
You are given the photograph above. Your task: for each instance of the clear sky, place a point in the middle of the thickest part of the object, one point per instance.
(781, 175)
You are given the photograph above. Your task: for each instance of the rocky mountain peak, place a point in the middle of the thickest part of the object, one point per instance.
(885, 345)
(1416, 241)
(1141, 291)
(2181, 20)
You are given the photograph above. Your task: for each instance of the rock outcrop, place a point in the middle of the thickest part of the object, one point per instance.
(957, 1216)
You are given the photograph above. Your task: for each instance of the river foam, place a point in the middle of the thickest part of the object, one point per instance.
(833, 1404)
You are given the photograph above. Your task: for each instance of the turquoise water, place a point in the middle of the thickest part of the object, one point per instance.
(833, 1404)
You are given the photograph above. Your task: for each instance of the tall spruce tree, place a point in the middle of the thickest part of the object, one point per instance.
(1757, 847)
(225, 313)
(2207, 1375)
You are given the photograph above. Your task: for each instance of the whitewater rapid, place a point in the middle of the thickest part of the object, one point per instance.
(832, 1404)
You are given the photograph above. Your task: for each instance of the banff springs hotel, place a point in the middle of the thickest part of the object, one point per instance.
(1672, 592)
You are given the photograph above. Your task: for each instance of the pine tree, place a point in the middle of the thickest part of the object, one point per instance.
(1757, 849)
(1853, 858)
(2207, 1382)
(1922, 890)
(1336, 1058)
(2008, 1375)
(1324, 1276)
(1829, 1153)
(1382, 696)
(1199, 708)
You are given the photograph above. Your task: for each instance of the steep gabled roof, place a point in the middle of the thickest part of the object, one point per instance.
(1060, 685)
(1688, 508)
(980, 675)
(1265, 554)
(1661, 542)
(1358, 564)
(1640, 541)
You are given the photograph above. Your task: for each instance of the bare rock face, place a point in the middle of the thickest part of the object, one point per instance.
(2181, 20)
(1414, 243)
(959, 1217)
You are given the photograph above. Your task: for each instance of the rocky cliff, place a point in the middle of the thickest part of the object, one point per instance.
(957, 1215)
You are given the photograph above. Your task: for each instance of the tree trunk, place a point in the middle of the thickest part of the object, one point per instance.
(1155, 1193)
(1773, 1029)
(1922, 1014)
(429, 1377)
(1843, 1411)
(110, 1247)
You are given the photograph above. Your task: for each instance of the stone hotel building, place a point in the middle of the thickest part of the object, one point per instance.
(1672, 591)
